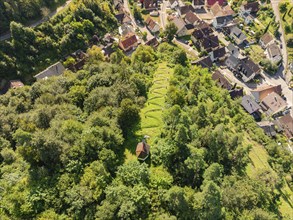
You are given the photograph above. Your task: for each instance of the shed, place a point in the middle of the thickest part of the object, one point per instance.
(142, 150)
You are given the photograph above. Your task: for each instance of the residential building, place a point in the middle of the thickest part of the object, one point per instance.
(274, 53)
(149, 4)
(191, 18)
(56, 69)
(249, 7)
(217, 10)
(173, 4)
(123, 18)
(209, 43)
(204, 62)
(261, 92)
(201, 29)
(233, 50)
(248, 18)
(268, 128)
(218, 54)
(181, 28)
(266, 40)
(247, 69)
(183, 10)
(232, 63)
(285, 124)
(80, 58)
(251, 107)
(222, 21)
(153, 26)
(221, 80)
(142, 150)
(273, 104)
(212, 2)
(129, 42)
(198, 4)
(237, 35)
(152, 42)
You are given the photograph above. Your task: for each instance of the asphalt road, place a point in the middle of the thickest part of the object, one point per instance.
(163, 14)
(36, 23)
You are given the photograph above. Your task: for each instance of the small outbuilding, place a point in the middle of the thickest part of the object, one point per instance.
(142, 151)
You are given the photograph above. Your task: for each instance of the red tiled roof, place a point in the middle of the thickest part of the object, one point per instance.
(212, 2)
(129, 42)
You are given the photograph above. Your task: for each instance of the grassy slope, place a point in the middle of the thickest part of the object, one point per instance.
(259, 160)
(151, 115)
(288, 20)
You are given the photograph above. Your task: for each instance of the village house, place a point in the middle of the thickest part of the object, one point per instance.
(222, 21)
(153, 26)
(273, 104)
(204, 62)
(142, 151)
(209, 43)
(274, 53)
(221, 80)
(152, 42)
(149, 4)
(181, 28)
(123, 18)
(249, 8)
(217, 10)
(198, 4)
(248, 18)
(183, 10)
(220, 2)
(261, 92)
(237, 35)
(233, 50)
(232, 63)
(218, 54)
(56, 69)
(129, 42)
(251, 107)
(268, 128)
(202, 29)
(173, 4)
(266, 40)
(80, 58)
(247, 69)
(191, 18)
(285, 124)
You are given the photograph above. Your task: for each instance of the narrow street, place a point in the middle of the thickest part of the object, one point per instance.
(287, 74)
(141, 27)
(163, 14)
(36, 23)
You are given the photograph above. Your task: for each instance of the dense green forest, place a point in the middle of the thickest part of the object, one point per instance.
(33, 49)
(24, 10)
(63, 144)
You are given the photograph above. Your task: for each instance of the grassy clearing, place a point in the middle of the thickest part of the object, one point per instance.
(259, 160)
(151, 115)
(287, 20)
(257, 53)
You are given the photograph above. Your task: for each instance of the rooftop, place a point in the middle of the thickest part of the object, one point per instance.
(249, 104)
(273, 103)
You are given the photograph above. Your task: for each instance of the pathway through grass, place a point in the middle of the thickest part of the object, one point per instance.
(151, 115)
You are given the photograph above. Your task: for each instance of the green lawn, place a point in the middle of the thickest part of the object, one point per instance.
(151, 115)
(259, 160)
(288, 19)
(256, 53)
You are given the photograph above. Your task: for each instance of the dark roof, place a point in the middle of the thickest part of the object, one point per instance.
(142, 150)
(221, 80)
(209, 42)
(219, 53)
(221, 2)
(274, 50)
(149, 3)
(191, 17)
(199, 2)
(204, 62)
(15, 84)
(172, 1)
(286, 123)
(248, 67)
(235, 93)
(249, 104)
(254, 6)
(108, 49)
(268, 127)
(224, 19)
(200, 33)
(152, 42)
(185, 9)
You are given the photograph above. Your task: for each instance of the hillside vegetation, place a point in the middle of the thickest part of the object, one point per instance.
(68, 146)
